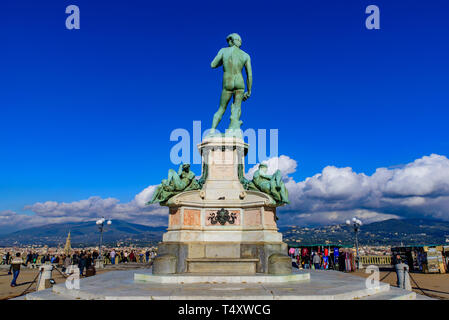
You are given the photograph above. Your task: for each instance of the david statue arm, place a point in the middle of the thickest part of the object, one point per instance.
(249, 79)
(218, 60)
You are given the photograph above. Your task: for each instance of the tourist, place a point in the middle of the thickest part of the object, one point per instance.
(147, 256)
(125, 257)
(305, 261)
(82, 263)
(90, 269)
(89, 260)
(316, 260)
(15, 267)
(112, 255)
(29, 258)
(67, 263)
(75, 258)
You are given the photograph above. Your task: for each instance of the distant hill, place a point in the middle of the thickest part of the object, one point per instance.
(84, 233)
(387, 232)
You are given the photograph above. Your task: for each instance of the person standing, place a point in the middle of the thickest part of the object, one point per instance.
(29, 258)
(112, 254)
(89, 261)
(306, 261)
(147, 256)
(67, 263)
(15, 267)
(82, 263)
(316, 260)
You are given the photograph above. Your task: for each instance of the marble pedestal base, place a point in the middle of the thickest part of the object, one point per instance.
(222, 228)
(239, 258)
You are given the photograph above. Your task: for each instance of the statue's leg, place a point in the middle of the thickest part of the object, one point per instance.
(279, 186)
(274, 190)
(156, 195)
(224, 100)
(171, 174)
(284, 193)
(175, 180)
(277, 177)
(236, 110)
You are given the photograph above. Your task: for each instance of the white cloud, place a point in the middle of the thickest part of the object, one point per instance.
(283, 163)
(417, 189)
(94, 207)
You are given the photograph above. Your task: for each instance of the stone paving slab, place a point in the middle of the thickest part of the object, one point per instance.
(220, 279)
(323, 285)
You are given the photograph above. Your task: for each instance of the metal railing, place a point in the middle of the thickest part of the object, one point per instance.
(375, 260)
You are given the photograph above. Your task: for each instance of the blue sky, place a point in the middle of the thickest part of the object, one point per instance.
(89, 112)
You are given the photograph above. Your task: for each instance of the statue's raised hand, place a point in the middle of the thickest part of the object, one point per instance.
(246, 95)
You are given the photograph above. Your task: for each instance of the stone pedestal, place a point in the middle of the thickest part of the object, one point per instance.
(223, 228)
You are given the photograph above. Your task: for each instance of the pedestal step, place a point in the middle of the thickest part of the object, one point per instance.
(236, 266)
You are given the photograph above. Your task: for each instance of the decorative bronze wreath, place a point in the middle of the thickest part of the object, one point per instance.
(222, 216)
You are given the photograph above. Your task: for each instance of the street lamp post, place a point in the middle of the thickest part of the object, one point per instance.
(356, 223)
(100, 224)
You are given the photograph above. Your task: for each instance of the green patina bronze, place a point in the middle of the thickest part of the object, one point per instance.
(271, 184)
(233, 60)
(247, 184)
(203, 178)
(177, 182)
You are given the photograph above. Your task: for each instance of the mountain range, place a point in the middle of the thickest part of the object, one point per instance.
(84, 234)
(387, 232)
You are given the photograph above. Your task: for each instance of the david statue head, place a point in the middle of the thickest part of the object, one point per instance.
(234, 40)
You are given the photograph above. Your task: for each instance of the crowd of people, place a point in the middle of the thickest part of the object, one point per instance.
(124, 256)
(85, 260)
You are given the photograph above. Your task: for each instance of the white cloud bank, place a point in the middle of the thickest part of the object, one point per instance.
(417, 189)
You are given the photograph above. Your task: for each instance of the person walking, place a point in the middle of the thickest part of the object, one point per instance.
(15, 267)
(316, 260)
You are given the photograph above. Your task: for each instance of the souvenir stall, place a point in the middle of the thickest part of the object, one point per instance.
(446, 257)
(422, 258)
(332, 256)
